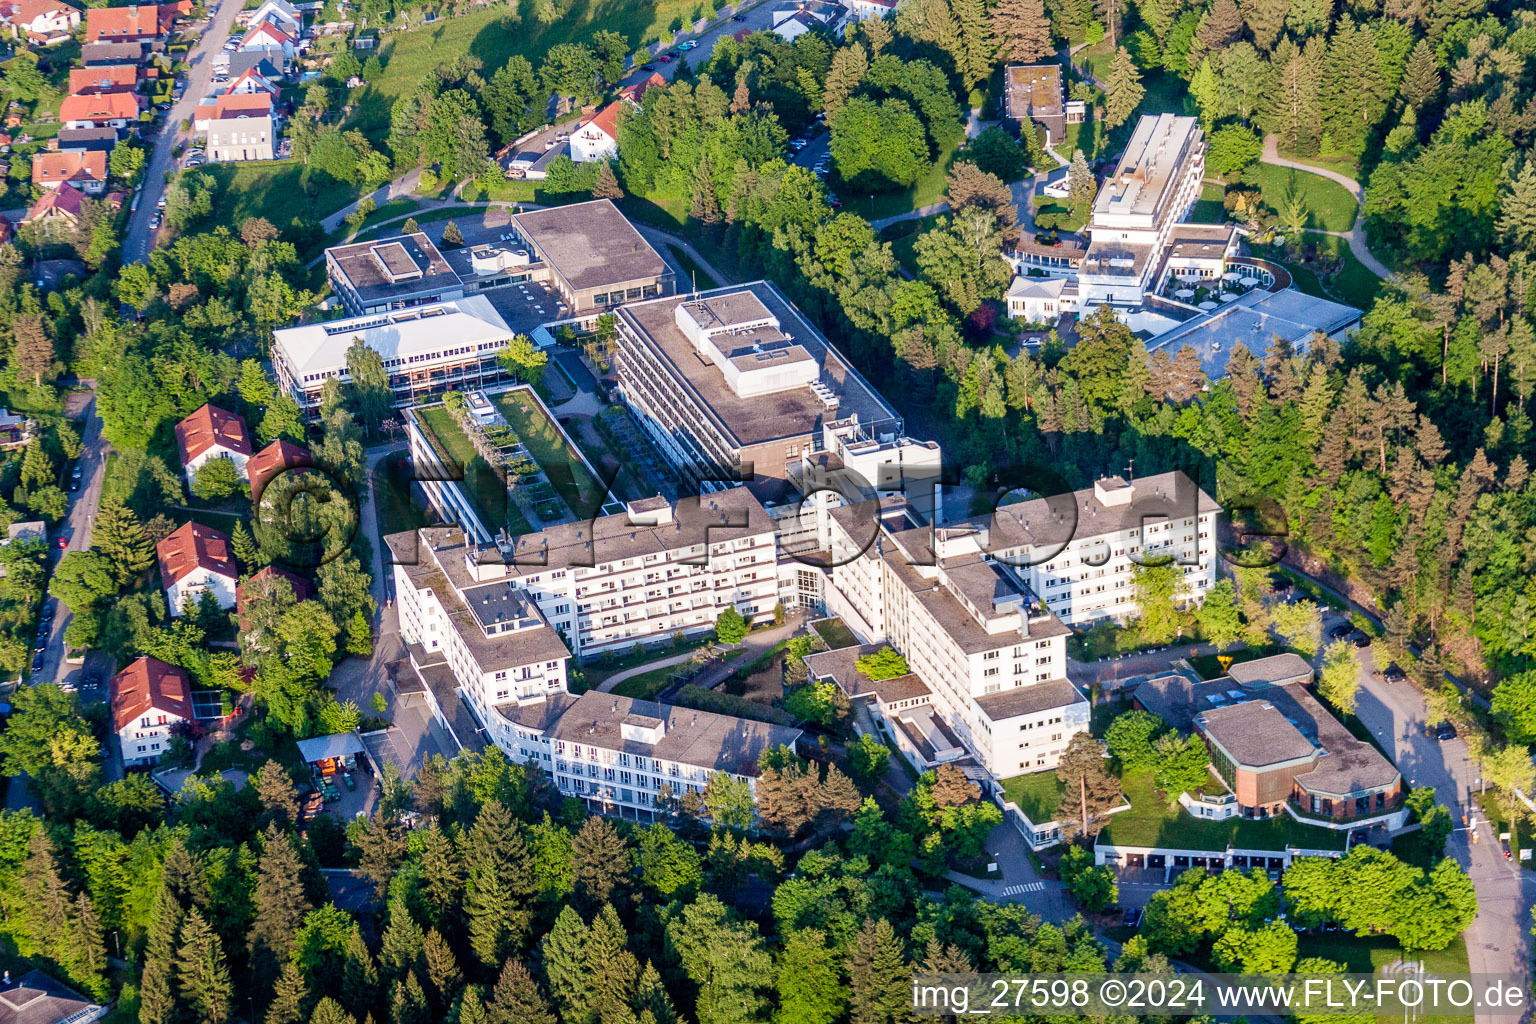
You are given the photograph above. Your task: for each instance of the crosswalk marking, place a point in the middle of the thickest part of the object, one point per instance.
(1015, 890)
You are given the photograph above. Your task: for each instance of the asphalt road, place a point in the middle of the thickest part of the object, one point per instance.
(139, 238)
(1498, 942)
(83, 505)
(756, 17)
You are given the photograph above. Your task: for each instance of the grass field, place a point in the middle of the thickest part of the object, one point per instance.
(279, 190)
(903, 238)
(835, 634)
(581, 492)
(1329, 204)
(1151, 822)
(1210, 668)
(647, 685)
(1038, 795)
(694, 274)
(1368, 954)
(1209, 208)
(1057, 213)
(392, 496)
(496, 33)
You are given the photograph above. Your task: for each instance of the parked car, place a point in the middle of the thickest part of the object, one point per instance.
(1280, 584)
(63, 540)
(1130, 917)
(1360, 640)
(37, 663)
(1393, 674)
(1442, 731)
(667, 58)
(691, 44)
(738, 17)
(1340, 631)
(647, 67)
(154, 222)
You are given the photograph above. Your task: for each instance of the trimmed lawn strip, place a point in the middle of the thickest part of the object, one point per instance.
(1210, 208)
(1151, 822)
(647, 685)
(1368, 954)
(577, 487)
(392, 503)
(1038, 795)
(1209, 668)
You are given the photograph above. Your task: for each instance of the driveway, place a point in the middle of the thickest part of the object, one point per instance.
(139, 239)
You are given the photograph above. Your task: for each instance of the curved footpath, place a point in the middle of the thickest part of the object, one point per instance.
(1356, 234)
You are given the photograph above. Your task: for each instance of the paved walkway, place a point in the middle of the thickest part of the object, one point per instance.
(607, 685)
(405, 185)
(1356, 234)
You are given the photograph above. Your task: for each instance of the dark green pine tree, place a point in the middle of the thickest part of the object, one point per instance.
(49, 908)
(600, 862)
(612, 968)
(247, 551)
(471, 1009)
(441, 876)
(90, 951)
(651, 997)
(565, 965)
(157, 994)
(119, 535)
(408, 1003)
(278, 907)
(184, 877)
(878, 976)
(499, 886)
(516, 999)
(329, 1011)
(359, 976)
(201, 975)
(444, 979)
(289, 997)
(400, 951)
(1421, 76)
(381, 849)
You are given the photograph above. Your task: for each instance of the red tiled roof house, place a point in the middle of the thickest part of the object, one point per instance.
(86, 171)
(212, 433)
(270, 463)
(148, 697)
(194, 560)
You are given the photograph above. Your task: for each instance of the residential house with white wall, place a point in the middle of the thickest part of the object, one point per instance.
(148, 698)
(212, 433)
(195, 560)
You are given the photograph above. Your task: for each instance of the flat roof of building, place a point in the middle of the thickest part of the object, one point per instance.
(1034, 90)
(700, 738)
(471, 322)
(1255, 734)
(841, 666)
(1253, 320)
(1062, 518)
(1148, 171)
(387, 267)
(755, 419)
(591, 245)
(1030, 699)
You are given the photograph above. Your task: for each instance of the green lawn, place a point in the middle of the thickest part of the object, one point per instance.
(485, 490)
(694, 274)
(903, 238)
(836, 634)
(647, 685)
(278, 190)
(1353, 284)
(494, 34)
(1151, 822)
(1058, 214)
(1522, 836)
(1209, 208)
(581, 492)
(1038, 795)
(1329, 204)
(1368, 954)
